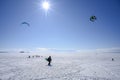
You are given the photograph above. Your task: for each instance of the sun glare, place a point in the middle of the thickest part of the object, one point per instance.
(45, 5)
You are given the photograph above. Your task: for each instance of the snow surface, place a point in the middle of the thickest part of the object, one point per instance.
(64, 67)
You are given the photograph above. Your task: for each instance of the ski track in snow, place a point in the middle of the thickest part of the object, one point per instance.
(75, 67)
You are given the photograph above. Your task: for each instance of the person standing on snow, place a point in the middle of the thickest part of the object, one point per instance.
(49, 59)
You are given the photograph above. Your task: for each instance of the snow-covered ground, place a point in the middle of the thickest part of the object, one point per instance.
(64, 67)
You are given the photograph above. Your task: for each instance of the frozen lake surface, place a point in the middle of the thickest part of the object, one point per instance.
(64, 67)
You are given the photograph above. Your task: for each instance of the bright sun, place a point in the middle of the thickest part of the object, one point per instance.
(45, 5)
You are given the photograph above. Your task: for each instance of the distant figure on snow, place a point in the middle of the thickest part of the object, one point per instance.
(112, 59)
(49, 59)
(28, 56)
(32, 56)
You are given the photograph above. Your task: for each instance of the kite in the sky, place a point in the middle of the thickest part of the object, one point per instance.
(25, 23)
(93, 18)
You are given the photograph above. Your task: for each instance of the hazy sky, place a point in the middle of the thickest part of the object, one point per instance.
(66, 26)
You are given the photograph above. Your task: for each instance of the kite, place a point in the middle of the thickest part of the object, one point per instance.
(25, 23)
(93, 18)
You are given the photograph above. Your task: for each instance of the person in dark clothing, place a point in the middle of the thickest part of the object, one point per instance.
(49, 60)
(28, 56)
(112, 59)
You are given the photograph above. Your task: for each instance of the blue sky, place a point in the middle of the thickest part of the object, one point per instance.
(66, 26)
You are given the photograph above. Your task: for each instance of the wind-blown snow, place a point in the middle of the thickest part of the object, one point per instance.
(64, 67)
